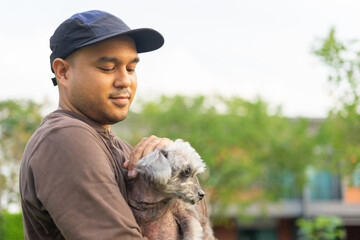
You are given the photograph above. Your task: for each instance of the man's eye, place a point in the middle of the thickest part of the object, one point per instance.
(130, 70)
(107, 69)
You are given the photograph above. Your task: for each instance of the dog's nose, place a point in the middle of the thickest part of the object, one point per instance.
(201, 194)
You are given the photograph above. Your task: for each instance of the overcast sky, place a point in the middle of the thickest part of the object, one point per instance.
(244, 48)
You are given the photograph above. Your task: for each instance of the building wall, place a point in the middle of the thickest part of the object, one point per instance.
(352, 232)
(225, 233)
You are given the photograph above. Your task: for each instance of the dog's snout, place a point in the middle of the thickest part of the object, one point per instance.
(201, 194)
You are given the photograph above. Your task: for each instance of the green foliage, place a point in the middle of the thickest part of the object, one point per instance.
(11, 226)
(251, 155)
(343, 59)
(321, 228)
(18, 121)
(339, 136)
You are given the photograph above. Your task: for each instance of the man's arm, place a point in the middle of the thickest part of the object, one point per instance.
(76, 185)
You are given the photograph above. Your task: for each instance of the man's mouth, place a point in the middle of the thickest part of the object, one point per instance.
(120, 101)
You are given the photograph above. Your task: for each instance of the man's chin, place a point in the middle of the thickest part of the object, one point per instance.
(118, 118)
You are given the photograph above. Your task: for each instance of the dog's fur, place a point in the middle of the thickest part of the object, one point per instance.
(165, 195)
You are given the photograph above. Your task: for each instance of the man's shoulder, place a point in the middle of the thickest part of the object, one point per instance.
(62, 120)
(60, 127)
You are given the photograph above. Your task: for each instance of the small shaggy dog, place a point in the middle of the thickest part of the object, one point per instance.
(164, 197)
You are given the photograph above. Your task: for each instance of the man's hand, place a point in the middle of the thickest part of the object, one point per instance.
(143, 148)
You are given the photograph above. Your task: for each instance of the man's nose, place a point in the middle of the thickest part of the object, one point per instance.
(122, 79)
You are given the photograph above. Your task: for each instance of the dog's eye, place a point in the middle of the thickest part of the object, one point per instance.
(187, 172)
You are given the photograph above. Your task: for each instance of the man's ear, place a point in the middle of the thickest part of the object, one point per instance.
(61, 68)
(156, 166)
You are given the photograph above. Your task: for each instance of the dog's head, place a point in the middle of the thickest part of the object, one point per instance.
(173, 171)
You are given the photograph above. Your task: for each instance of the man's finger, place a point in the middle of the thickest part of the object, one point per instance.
(154, 144)
(150, 147)
(138, 152)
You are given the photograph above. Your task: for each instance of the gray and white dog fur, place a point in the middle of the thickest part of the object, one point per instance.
(165, 196)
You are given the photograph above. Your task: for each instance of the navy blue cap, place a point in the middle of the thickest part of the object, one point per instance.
(83, 29)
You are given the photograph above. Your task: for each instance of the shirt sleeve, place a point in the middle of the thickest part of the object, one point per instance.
(76, 184)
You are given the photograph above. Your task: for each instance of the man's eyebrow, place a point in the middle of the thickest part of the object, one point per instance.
(115, 60)
(136, 60)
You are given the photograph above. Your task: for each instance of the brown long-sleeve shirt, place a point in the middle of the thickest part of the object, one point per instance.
(71, 184)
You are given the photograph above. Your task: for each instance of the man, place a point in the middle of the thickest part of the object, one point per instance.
(71, 183)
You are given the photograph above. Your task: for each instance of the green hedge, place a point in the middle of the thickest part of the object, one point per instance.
(11, 226)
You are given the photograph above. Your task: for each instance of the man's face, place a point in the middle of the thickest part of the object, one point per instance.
(102, 80)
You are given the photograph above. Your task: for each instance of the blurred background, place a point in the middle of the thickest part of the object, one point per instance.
(266, 91)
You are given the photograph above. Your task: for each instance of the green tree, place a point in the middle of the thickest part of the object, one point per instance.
(321, 228)
(18, 121)
(339, 136)
(251, 155)
(343, 60)
(11, 226)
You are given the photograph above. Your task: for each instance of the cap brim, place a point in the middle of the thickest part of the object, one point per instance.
(146, 39)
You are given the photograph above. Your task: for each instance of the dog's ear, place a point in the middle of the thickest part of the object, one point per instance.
(156, 166)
